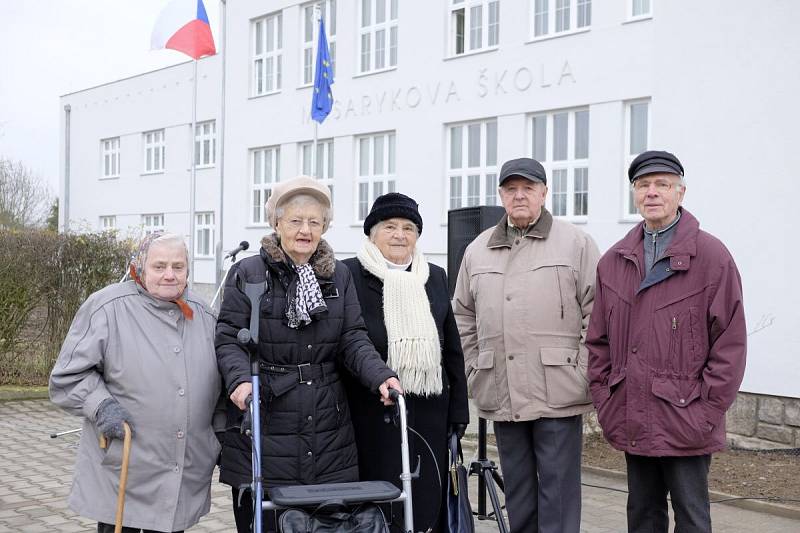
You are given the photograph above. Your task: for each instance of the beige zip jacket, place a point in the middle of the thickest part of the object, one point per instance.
(522, 306)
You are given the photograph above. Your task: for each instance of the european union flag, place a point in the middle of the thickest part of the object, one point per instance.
(322, 100)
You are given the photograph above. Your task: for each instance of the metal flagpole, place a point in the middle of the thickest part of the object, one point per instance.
(220, 274)
(192, 180)
(317, 16)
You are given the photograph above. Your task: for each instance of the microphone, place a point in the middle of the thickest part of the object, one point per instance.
(244, 245)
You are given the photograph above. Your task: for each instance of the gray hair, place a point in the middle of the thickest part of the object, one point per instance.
(300, 200)
(140, 259)
(376, 227)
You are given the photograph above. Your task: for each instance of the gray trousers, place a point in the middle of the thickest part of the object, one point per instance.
(541, 464)
(686, 481)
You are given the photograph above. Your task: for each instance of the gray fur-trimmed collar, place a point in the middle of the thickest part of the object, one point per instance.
(323, 261)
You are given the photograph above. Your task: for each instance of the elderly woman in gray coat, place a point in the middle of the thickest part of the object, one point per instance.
(142, 352)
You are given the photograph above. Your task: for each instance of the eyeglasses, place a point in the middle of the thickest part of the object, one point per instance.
(662, 185)
(296, 223)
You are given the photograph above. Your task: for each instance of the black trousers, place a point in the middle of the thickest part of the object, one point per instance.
(243, 513)
(109, 528)
(541, 462)
(685, 479)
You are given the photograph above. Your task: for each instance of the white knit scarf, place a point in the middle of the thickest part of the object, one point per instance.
(414, 350)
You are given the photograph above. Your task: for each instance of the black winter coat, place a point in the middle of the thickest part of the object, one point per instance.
(307, 434)
(379, 443)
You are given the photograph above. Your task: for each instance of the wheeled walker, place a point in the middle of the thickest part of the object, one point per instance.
(314, 497)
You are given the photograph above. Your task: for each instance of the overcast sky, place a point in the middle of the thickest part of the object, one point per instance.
(53, 47)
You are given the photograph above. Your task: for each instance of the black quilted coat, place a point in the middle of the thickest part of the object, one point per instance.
(307, 435)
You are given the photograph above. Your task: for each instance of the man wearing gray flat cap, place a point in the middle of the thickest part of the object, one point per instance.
(522, 302)
(667, 346)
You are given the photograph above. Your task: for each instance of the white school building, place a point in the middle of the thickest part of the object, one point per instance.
(431, 97)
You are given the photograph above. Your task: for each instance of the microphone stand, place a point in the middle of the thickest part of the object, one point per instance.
(488, 476)
(224, 279)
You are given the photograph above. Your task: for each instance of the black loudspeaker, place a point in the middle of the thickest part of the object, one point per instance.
(463, 225)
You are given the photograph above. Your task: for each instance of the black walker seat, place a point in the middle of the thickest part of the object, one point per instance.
(345, 493)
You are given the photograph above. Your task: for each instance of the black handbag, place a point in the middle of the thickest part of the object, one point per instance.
(335, 518)
(459, 511)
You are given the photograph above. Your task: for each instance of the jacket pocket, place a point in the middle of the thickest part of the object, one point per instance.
(679, 417)
(481, 382)
(112, 457)
(565, 383)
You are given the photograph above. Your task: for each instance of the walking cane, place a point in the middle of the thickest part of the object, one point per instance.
(123, 475)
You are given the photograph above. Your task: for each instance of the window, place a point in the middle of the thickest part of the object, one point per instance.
(310, 37)
(152, 223)
(640, 9)
(110, 154)
(267, 54)
(553, 17)
(204, 234)
(321, 165)
(377, 35)
(265, 174)
(154, 149)
(474, 25)
(560, 141)
(205, 143)
(637, 134)
(376, 169)
(472, 165)
(108, 223)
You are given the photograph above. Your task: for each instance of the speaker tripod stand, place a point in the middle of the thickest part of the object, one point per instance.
(488, 481)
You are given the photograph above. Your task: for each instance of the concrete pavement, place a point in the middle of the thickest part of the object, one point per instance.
(36, 472)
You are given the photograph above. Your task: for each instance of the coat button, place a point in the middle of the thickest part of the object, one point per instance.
(510, 357)
(516, 242)
(516, 416)
(177, 468)
(569, 359)
(634, 349)
(180, 434)
(181, 392)
(310, 418)
(682, 400)
(309, 454)
(633, 444)
(680, 263)
(176, 349)
(508, 298)
(309, 346)
(171, 312)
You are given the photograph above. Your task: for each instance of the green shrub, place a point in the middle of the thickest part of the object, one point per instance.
(53, 274)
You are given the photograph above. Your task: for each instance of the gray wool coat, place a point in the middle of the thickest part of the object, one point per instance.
(161, 367)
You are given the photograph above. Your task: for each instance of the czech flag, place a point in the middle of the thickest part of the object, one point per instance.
(183, 26)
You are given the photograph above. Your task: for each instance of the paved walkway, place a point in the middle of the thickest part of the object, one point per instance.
(36, 471)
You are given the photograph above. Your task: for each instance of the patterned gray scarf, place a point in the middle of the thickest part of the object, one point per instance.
(308, 298)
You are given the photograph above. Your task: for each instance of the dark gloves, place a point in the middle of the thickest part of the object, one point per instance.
(109, 419)
(458, 429)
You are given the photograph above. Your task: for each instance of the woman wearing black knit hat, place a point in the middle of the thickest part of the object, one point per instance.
(406, 308)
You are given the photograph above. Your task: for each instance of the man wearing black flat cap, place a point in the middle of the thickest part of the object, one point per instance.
(522, 302)
(667, 347)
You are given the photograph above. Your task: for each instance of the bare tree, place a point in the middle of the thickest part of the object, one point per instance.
(24, 197)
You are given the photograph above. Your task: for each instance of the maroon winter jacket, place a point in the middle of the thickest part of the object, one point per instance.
(667, 352)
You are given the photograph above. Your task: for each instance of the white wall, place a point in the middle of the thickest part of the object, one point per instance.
(156, 100)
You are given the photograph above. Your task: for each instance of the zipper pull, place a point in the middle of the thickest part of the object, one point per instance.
(655, 235)
(674, 322)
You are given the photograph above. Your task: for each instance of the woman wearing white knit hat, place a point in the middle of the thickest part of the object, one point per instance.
(406, 308)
